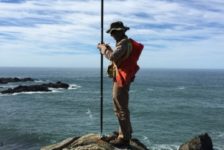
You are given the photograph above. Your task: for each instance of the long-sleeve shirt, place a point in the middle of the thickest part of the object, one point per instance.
(119, 52)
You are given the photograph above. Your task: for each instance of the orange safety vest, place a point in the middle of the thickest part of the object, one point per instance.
(126, 71)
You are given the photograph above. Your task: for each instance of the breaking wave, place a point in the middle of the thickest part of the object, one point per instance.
(73, 86)
(150, 89)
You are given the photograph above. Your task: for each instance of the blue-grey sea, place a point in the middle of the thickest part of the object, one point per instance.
(168, 107)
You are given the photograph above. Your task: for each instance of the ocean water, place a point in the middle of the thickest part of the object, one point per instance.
(168, 107)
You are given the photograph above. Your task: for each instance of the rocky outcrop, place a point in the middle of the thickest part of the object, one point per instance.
(92, 142)
(23, 88)
(35, 88)
(7, 80)
(201, 142)
(95, 142)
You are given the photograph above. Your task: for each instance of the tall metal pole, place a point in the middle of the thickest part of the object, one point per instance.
(101, 81)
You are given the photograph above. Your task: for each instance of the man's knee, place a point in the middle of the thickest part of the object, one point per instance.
(122, 115)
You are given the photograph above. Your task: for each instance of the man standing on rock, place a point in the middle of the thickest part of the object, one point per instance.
(123, 69)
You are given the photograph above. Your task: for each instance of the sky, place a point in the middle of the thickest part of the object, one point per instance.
(64, 33)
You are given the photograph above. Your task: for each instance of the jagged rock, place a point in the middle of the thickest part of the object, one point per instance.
(201, 142)
(35, 88)
(7, 80)
(91, 142)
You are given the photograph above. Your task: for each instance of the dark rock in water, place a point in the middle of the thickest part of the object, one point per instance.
(92, 142)
(7, 80)
(58, 84)
(35, 88)
(201, 142)
(31, 88)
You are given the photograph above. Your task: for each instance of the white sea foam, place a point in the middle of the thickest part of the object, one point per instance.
(73, 87)
(132, 91)
(89, 113)
(165, 147)
(181, 87)
(54, 90)
(29, 93)
(39, 81)
(221, 134)
(146, 140)
(150, 89)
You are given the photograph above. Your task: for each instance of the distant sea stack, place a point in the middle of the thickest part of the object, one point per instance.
(36, 88)
(7, 80)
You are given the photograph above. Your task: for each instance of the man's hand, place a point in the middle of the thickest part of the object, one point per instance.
(102, 48)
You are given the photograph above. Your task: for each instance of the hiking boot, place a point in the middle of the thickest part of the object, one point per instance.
(110, 137)
(120, 142)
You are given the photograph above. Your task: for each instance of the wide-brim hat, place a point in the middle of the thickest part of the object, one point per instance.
(118, 26)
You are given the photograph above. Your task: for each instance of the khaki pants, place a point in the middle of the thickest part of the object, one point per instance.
(120, 101)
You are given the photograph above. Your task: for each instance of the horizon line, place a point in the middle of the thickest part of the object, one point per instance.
(153, 68)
